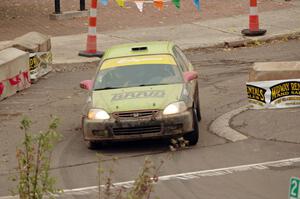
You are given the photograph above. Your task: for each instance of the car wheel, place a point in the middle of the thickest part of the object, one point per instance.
(197, 105)
(193, 136)
(198, 111)
(92, 144)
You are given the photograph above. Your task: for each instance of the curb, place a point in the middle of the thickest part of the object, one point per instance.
(224, 44)
(69, 15)
(249, 40)
(221, 126)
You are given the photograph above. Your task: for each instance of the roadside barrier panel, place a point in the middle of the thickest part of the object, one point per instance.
(14, 72)
(40, 57)
(274, 85)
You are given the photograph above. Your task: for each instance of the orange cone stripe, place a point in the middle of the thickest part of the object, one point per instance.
(94, 4)
(159, 4)
(92, 21)
(253, 3)
(253, 17)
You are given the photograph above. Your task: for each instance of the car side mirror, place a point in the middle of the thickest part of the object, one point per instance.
(190, 75)
(86, 84)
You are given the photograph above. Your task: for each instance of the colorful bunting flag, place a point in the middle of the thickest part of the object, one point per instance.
(159, 4)
(197, 4)
(121, 3)
(104, 2)
(140, 5)
(176, 3)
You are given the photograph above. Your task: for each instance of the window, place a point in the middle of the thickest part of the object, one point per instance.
(185, 61)
(180, 61)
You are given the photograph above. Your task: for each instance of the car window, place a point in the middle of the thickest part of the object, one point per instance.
(184, 59)
(179, 60)
(137, 75)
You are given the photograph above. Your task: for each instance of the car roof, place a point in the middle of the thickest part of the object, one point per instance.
(125, 50)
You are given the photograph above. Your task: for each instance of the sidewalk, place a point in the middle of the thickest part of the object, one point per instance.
(21, 16)
(192, 35)
(200, 34)
(282, 21)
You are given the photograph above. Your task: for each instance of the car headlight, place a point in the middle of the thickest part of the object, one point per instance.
(174, 108)
(98, 114)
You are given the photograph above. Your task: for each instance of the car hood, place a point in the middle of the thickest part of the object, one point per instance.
(136, 98)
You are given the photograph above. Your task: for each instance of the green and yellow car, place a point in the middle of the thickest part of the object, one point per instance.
(141, 91)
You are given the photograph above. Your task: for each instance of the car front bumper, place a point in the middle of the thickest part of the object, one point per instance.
(135, 129)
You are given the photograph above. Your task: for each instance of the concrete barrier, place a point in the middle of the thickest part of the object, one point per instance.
(14, 72)
(40, 57)
(266, 71)
(32, 42)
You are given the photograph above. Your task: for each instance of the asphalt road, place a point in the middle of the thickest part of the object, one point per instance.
(223, 74)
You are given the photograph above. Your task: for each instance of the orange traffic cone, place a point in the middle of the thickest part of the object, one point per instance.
(253, 22)
(91, 43)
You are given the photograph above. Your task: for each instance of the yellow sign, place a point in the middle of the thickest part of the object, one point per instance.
(137, 60)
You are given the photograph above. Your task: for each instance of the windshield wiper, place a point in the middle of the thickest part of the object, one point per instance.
(153, 84)
(106, 88)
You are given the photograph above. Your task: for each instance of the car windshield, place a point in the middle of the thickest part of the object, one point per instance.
(137, 75)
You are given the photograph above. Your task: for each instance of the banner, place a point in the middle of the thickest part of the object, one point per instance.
(274, 94)
(159, 4)
(39, 64)
(140, 5)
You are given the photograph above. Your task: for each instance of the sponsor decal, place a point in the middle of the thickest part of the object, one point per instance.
(274, 94)
(256, 93)
(137, 60)
(138, 94)
(290, 90)
(33, 62)
(39, 64)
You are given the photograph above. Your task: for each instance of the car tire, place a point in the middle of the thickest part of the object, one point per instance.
(197, 105)
(193, 136)
(198, 111)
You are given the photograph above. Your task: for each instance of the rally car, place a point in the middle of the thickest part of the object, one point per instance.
(141, 91)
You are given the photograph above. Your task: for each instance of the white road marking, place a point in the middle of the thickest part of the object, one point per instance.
(189, 175)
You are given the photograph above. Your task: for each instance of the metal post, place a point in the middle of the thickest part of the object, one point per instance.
(82, 5)
(57, 6)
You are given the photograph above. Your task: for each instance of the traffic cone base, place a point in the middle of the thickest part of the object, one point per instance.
(253, 33)
(254, 29)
